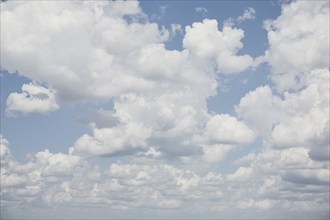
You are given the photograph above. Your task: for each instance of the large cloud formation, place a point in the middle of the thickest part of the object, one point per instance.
(295, 127)
(110, 52)
(34, 98)
(169, 143)
(298, 43)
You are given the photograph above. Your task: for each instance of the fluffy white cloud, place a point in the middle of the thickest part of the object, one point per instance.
(34, 98)
(107, 53)
(160, 112)
(208, 44)
(295, 131)
(226, 129)
(107, 141)
(57, 179)
(167, 125)
(301, 131)
(293, 120)
(294, 168)
(299, 42)
(159, 95)
(256, 103)
(280, 178)
(4, 150)
(84, 62)
(296, 118)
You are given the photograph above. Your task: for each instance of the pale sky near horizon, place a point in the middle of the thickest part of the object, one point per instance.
(165, 109)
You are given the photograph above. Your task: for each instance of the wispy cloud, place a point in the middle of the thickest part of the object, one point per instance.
(201, 10)
(249, 14)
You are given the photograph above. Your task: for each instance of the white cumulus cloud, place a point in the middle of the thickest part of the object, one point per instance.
(165, 151)
(208, 44)
(34, 98)
(302, 47)
(226, 129)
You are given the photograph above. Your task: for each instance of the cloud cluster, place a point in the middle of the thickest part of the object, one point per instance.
(51, 180)
(108, 49)
(159, 95)
(301, 48)
(228, 130)
(168, 144)
(296, 118)
(209, 45)
(56, 179)
(86, 62)
(293, 120)
(294, 160)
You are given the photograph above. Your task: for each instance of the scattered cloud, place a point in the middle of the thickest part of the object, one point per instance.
(56, 179)
(164, 149)
(295, 122)
(34, 98)
(249, 14)
(210, 46)
(201, 10)
(162, 12)
(163, 9)
(5, 154)
(176, 29)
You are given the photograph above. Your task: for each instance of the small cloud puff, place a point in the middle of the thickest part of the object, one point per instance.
(34, 98)
(249, 14)
(201, 10)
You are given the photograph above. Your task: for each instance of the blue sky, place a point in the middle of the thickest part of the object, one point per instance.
(165, 109)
